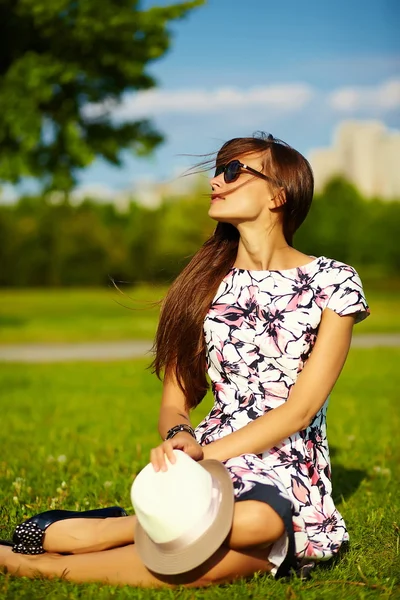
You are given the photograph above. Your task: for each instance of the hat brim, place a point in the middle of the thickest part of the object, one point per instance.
(193, 555)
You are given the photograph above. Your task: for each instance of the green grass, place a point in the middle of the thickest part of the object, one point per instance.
(78, 315)
(73, 436)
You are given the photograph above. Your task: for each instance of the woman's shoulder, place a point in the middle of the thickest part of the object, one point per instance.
(342, 288)
(334, 268)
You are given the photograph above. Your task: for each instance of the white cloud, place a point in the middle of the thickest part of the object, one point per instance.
(283, 97)
(383, 97)
(280, 98)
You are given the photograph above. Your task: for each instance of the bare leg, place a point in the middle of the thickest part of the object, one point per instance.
(123, 566)
(254, 523)
(89, 535)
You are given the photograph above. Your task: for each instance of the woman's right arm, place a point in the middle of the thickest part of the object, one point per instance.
(173, 412)
(173, 409)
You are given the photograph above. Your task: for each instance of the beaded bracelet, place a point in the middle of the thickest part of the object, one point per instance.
(182, 427)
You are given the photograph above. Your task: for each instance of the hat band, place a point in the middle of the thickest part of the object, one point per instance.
(201, 525)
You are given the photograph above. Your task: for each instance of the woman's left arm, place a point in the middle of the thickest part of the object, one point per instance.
(306, 397)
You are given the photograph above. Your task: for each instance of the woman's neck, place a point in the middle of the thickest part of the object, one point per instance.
(261, 250)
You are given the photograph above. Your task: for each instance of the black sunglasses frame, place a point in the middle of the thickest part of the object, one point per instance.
(238, 166)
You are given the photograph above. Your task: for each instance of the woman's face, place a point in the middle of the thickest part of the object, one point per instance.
(245, 199)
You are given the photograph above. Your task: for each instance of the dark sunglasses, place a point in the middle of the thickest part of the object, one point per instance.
(233, 169)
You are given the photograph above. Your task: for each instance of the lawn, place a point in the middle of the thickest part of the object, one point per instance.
(75, 315)
(101, 314)
(74, 436)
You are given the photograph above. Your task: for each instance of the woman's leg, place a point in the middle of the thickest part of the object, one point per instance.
(77, 536)
(254, 523)
(123, 566)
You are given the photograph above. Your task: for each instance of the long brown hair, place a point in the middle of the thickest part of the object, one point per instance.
(179, 344)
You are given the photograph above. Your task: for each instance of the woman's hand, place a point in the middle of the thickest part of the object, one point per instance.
(182, 441)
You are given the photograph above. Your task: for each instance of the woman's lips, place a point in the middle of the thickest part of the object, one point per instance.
(215, 198)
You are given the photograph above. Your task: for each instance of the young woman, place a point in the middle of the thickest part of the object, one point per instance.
(272, 327)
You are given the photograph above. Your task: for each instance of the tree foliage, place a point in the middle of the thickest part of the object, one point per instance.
(47, 244)
(57, 58)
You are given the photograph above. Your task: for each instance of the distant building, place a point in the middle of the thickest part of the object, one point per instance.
(365, 153)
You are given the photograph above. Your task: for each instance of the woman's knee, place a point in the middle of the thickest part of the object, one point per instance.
(256, 520)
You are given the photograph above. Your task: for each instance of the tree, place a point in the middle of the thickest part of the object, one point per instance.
(184, 227)
(59, 57)
(335, 223)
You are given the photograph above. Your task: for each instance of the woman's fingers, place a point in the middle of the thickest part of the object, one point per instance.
(169, 451)
(192, 448)
(157, 456)
(166, 450)
(157, 459)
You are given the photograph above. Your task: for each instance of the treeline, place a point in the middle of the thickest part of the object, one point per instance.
(43, 243)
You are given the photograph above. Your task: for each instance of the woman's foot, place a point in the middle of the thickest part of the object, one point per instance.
(24, 565)
(10, 561)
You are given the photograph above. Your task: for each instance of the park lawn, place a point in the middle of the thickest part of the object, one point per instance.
(101, 314)
(78, 314)
(74, 436)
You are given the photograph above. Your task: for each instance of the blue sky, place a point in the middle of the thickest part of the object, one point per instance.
(295, 69)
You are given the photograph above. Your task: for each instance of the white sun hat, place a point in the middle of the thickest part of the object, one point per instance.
(183, 514)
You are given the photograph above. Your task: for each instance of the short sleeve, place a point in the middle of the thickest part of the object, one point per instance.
(346, 295)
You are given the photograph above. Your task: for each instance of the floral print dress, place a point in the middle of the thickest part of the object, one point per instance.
(259, 332)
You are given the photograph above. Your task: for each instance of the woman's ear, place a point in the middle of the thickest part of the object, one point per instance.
(279, 199)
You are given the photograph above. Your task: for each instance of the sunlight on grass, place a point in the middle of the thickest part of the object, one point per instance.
(71, 315)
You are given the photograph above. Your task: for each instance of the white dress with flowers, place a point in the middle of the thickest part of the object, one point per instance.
(259, 333)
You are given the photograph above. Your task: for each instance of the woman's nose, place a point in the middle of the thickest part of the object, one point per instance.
(216, 181)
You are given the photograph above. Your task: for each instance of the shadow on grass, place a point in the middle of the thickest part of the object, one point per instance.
(345, 481)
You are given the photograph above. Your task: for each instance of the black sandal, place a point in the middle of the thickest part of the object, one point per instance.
(28, 536)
